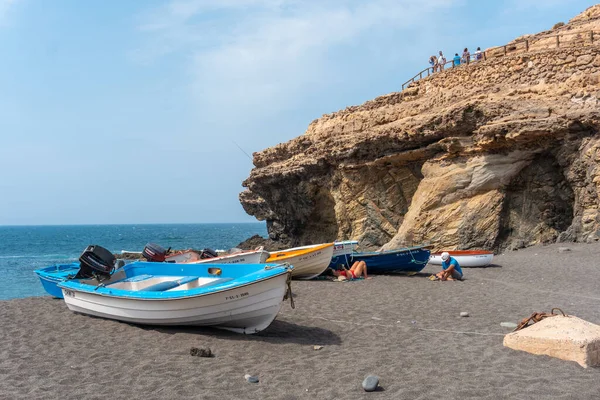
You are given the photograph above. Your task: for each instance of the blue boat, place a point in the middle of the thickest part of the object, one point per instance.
(406, 260)
(52, 275)
(243, 298)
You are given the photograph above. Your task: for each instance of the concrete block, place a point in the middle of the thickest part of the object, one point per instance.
(565, 337)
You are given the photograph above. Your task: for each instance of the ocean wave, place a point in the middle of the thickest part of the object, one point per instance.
(42, 256)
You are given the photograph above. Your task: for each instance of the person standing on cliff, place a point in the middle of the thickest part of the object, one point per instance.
(432, 63)
(466, 56)
(441, 61)
(456, 60)
(478, 54)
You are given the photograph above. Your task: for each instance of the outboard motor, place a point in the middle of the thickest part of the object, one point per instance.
(208, 253)
(154, 253)
(96, 261)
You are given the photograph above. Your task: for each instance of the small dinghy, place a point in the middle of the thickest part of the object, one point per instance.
(52, 275)
(308, 261)
(466, 258)
(243, 298)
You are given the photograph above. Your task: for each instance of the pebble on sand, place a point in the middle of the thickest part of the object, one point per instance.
(317, 347)
(251, 379)
(510, 325)
(464, 314)
(370, 383)
(563, 249)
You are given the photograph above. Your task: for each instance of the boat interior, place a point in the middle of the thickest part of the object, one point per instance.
(162, 277)
(151, 283)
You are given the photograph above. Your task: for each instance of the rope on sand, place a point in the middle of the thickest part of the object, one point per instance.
(421, 329)
(518, 285)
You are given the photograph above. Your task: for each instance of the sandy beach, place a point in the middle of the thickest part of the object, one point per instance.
(406, 330)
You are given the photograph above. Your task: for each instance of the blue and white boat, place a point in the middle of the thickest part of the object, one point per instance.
(342, 251)
(52, 275)
(243, 298)
(406, 260)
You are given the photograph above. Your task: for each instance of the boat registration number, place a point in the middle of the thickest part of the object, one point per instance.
(236, 296)
(69, 293)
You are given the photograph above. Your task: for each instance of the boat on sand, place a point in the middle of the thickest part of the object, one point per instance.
(243, 298)
(341, 251)
(257, 256)
(52, 275)
(466, 258)
(408, 260)
(308, 261)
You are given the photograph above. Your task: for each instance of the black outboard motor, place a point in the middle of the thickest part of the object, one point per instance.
(96, 261)
(208, 253)
(154, 253)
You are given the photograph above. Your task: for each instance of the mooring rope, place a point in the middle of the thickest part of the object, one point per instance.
(529, 288)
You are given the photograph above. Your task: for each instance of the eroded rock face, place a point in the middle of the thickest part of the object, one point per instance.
(503, 153)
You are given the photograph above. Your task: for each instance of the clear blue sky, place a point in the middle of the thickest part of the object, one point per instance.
(115, 111)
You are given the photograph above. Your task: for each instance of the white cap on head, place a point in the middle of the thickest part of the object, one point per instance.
(445, 256)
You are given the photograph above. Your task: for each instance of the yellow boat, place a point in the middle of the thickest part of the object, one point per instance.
(308, 262)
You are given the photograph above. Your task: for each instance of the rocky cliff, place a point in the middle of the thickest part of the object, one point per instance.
(500, 153)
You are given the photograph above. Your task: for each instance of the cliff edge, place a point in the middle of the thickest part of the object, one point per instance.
(500, 153)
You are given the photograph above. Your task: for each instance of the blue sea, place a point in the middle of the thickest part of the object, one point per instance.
(26, 248)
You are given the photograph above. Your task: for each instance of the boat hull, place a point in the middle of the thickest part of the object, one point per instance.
(465, 258)
(342, 252)
(51, 276)
(308, 262)
(406, 260)
(243, 308)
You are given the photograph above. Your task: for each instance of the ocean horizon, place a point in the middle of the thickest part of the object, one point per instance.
(25, 248)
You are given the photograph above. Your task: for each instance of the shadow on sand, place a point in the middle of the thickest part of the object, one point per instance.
(277, 332)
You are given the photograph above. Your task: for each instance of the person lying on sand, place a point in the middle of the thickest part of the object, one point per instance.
(450, 269)
(357, 270)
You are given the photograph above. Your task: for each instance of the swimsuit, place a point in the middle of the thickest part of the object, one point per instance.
(343, 273)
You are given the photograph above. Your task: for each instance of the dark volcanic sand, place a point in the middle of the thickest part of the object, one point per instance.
(366, 327)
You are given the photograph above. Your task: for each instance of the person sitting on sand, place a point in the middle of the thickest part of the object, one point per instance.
(357, 270)
(451, 269)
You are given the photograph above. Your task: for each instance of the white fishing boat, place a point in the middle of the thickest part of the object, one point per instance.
(243, 298)
(466, 258)
(308, 261)
(342, 252)
(258, 256)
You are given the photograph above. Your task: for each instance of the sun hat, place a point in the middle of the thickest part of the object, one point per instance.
(445, 256)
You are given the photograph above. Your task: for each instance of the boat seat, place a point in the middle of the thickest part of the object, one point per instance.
(216, 282)
(162, 286)
(137, 278)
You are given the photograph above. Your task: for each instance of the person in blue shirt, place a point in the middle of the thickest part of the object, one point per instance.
(456, 60)
(451, 269)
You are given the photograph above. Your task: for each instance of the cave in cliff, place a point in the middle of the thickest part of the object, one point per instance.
(538, 205)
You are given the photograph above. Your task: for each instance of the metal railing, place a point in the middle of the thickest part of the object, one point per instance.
(500, 51)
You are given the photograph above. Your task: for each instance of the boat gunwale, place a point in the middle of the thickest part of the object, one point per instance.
(218, 258)
(465, 253)
(170, 296)
(297, 252)
(387, 252)
(50, 273)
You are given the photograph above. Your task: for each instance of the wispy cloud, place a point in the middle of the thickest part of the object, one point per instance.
(263, 54)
